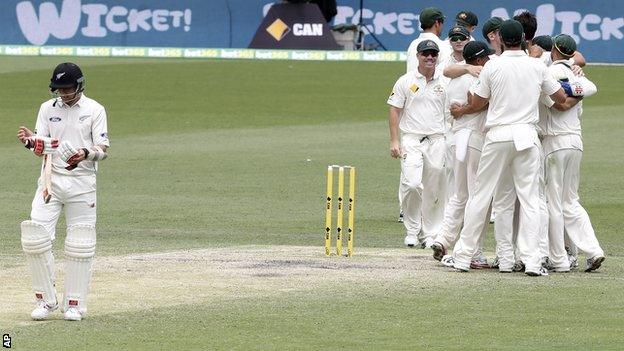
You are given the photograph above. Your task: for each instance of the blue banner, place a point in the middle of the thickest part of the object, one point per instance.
(597, 26)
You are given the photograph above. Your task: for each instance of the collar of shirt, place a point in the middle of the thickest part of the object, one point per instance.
(564, 61)
(430, 36)
(78, 103)
(436, 74)
(514, 53)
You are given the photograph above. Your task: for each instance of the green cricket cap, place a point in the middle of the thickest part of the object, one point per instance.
(476, 49)
(466, 18)
(543, 41)
(491, 25)
(427, 45)
(459, 31)
(511, 32)
(429, 16)
(565, 44)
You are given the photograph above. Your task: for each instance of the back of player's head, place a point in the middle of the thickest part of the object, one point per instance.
(529, 24)
(429, 16)
(476, 49)
(543, 41)
(466, 19)
(511, 33)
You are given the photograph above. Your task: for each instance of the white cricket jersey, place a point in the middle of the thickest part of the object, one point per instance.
(412, 59)
(555, 122)
(513, 84)
(83, 125)
(422, 103)
(456, 92)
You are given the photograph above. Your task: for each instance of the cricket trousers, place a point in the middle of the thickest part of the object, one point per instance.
(464, 180)
(509, 151)
(422, 184)
(566, 213)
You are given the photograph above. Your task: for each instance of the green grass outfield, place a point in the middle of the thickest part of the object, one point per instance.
(210, 219)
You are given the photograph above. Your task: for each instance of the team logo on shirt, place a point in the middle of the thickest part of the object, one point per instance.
(55, 119)
(414, 88)
(438, 89)
(104, 135)
(82, 118)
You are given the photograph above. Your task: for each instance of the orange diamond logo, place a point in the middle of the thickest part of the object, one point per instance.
(278, 29)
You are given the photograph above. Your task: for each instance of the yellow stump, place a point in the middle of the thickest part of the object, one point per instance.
(339, 214)
(328, 210)
(351, 212)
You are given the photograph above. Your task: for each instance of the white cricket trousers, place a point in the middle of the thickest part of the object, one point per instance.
(422, 184)
(562, 182)
(75, 194)
(465, 176)
(502, 159)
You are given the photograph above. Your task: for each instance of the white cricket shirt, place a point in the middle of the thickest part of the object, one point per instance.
(513, 84)
(422, 103)
(412, 59)
(553, 121)
(83, 125)
(456, 92)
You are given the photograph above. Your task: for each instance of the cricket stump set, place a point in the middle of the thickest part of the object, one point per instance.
(340, 209)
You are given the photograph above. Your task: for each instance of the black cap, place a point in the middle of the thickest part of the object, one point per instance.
(476, 49)
(491, 25)
(466, 18)
(543, 41)
(427, 45)
(66, 75)
(429, 16)
(459, 31)
(511, 32)
(565, 44)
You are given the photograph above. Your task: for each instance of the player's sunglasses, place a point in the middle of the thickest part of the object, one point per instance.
(457, 38)
(431, 53)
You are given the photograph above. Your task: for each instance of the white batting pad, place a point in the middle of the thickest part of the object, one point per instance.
(37, 245)
(79, 251)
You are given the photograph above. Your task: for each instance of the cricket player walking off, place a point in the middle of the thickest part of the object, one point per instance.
(417, 117)
(71, 136)
(511, 143)
(563, 148)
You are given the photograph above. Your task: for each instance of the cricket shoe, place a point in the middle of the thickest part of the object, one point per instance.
(573, 261)
(400, 220)
(73, 314)
(594, 263)
(438, 251)
(549, 266)
(479, 262)
(448, 261)
(43, 310)
(518, 267)
(540, 272)
(410, 241)
(495, 262)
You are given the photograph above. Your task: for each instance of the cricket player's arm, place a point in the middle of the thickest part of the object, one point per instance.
(458, 70)
(579, 59)
(566, 105)
(394, 116)
(475, 104)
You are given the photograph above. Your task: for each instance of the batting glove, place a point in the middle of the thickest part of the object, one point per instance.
(42, 145)
(69, 155)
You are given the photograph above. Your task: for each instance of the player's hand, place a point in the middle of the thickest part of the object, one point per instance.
(395, 149)
(577, 70)
(474, 70)
(457, 110)
(71, 155)
(24, 134)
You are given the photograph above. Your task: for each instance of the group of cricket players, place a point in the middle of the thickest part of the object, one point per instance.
(493, 127)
